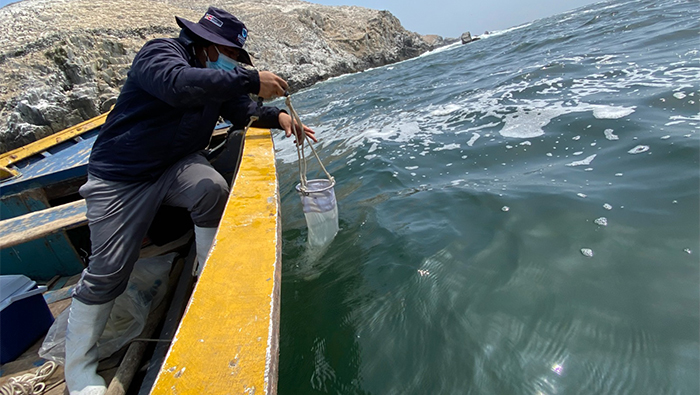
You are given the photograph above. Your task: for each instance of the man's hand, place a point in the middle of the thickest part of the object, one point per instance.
(271, 85)
(285, 121)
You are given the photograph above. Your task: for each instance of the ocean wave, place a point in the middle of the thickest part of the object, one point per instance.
(497, 33)
(503, 207)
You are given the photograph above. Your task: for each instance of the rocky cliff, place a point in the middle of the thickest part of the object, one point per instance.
(63, 61)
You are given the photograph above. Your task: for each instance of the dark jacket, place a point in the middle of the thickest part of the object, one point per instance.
(167, 110)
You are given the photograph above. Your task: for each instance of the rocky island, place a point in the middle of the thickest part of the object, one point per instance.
(64, 61)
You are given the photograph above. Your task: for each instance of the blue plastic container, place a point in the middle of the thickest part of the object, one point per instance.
(24, 315)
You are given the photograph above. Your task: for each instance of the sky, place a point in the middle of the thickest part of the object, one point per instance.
(451, 18)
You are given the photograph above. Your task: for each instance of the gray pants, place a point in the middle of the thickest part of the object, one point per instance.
(120, 213)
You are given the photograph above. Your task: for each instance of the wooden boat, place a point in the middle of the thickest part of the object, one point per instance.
(218, 335)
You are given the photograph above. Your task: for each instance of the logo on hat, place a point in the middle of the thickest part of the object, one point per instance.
(225, 30)
(211, 18)
(243, 36)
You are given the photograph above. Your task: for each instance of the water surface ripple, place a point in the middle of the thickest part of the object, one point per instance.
(518, 215)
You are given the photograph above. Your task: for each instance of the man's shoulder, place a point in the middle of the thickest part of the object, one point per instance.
(164, 44)
(156, 51)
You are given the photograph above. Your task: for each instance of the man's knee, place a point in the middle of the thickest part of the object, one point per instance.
(213, 192)
(98, 289)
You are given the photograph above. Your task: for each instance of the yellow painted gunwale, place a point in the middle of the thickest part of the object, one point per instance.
(228, 339)
(8, 158)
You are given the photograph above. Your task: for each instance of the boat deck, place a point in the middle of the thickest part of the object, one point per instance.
(228, 338)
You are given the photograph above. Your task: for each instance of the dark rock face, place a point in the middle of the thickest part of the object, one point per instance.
(64, 61)
(435, 41)
(466, 38)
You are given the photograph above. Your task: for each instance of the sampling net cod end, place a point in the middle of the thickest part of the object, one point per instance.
(317, 196)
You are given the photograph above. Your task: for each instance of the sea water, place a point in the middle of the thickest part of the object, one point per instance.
(519, 215)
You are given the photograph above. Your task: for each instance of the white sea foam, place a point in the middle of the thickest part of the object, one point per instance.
(584, 162)
(602, 221)
(695, 117)
(606, 59)
(522, 109)
(638, 149)
(527, 124)
(445, 110)
(574, 59)
(610, 135)
(448, 147)
(442, 49)
(684, 74)
(480, 127)
(505, 31)
(587, 252)
(475, 136)
(609, 112)
(531, 117)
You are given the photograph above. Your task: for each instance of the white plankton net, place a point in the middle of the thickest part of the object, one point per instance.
(317, 196)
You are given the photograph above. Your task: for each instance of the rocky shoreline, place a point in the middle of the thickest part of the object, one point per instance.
(64, 61)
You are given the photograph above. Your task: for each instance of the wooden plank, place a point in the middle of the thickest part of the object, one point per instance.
(228, 339)
(38, 224)
(62, 291)
(59, 294)
(38, 146)
(40, 259)
(7, 173)
(23, 203)
(68, 162)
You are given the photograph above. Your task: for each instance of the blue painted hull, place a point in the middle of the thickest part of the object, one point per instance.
(54, 254)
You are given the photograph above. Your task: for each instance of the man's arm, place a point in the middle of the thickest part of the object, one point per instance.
(162, 70)
(239, 111)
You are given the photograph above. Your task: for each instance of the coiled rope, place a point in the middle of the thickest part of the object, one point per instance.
(301, 156)
(30, 383)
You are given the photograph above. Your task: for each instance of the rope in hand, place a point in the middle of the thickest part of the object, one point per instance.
(30, 383)
(298, 131)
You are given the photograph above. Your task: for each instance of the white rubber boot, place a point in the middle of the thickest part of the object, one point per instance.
(203, 238)
(85, 326)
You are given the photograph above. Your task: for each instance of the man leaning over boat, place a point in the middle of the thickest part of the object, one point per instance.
(148, 154)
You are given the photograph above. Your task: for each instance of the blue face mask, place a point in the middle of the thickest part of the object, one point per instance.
(222, 63)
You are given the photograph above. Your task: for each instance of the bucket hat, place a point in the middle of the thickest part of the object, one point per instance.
(219, 27)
